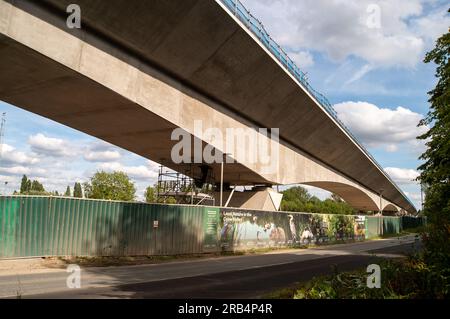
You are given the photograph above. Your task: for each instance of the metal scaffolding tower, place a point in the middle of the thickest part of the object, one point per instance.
(174, 187)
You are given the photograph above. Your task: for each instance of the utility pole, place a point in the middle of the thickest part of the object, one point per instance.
(381, 211)
(221, 177)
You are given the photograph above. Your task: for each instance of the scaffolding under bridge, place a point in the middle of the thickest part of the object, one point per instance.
(196, 186)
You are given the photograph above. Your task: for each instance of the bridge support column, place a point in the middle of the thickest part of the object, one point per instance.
(260, 198)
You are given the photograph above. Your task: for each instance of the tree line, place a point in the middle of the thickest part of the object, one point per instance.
(118, 186)
(298, 199)
(102, 185)
(34, 187)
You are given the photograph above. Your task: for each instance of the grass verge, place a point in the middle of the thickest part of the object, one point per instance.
(409, 278)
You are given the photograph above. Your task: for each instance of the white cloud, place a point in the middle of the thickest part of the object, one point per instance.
(23, 170)
(391, 148)
(102, 156)
(303, 59)
(49, 146)
(341, 29)
(11, 156)
(318, 192)
(99, 146)
(417, 197)
(376, 126)
(402, 175)
(140, 172)
(433, 25)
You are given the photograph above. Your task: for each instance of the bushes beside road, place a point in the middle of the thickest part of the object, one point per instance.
(400, 279)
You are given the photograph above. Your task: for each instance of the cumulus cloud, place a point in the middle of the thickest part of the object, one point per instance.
(139, 172)
(99, 146)
(417, 197)
(102, 156)
(376, 126)
(303, 59)
(346, 28)
(23, 170)
(402, 175)
(47, 161)
(49, 146)
(433, 25)
(11, 156)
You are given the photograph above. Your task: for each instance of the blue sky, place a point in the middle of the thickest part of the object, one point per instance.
(365, 56)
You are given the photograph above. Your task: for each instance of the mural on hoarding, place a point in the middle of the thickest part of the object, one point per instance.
(245, 228)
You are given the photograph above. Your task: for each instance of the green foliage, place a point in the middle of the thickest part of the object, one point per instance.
(150, 196)
(67, 193)
(112, 186)
(37, 187)
(24, 185)
(77, 192)
(297, 199)
(169, 200)
(341, 225)
(435, 171)
(408, 279)
(29, 187)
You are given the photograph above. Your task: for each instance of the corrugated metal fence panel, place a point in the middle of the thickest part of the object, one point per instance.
(32, 226)
(8, 226)
(391, 225)
(59, 226)
(409, 222)
(372, 226)
(188, 232)
(53, 226)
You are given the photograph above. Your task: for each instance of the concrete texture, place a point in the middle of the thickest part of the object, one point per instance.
(132, 81)
(262, 198)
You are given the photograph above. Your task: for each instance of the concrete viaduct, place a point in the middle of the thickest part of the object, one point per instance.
(132, 74)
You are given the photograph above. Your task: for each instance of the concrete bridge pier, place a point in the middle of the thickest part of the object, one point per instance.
(259, 198)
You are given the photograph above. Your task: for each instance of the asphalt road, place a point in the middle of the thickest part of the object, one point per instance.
(225, 277)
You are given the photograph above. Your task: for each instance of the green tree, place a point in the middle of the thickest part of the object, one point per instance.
(24, 185)
(67, 193)
(297, 199)
(77, 191)
(168, 200)
(113, 186)
(297, 193)
(37, 187)
(29, 187)
(336, 198)
(435, 171)
(150, 196)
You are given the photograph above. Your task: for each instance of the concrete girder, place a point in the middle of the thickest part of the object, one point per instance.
(391, 208)
(355, 196)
